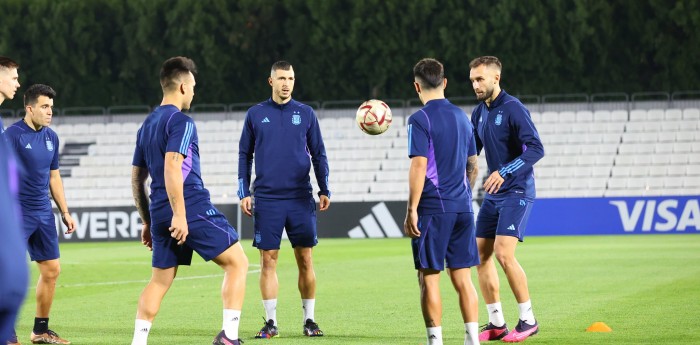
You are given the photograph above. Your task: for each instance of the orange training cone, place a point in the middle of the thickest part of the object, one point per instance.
(599, 327)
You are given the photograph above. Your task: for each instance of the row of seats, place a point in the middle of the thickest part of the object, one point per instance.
(587, 154)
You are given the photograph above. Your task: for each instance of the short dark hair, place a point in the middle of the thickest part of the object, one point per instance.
(8, 63)
(485, 60)
(31, 96)
(430, 73)
(283, 65)
(173, 68)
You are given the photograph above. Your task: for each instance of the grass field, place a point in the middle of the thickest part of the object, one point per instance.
(647, 288)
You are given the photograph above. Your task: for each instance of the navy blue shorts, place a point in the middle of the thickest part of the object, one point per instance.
(296, 216)
(41, 236)
(445, 237)
(210, 234)
(506, 217)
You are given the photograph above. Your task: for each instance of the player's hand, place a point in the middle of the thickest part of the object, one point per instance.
(493, 183)
(246, 206)
(410, 225)
(146, 237)
(323, 203)
(68, 222)
(179, 229)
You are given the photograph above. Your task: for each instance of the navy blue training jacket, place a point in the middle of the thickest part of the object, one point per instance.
(511, 142)
(285, 140)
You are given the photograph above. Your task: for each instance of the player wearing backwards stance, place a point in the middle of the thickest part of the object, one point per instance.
(13, 266)
(283, 133)
(36, 148)
(181, 217)
(504, 130)
(439, 216)
(9, 82)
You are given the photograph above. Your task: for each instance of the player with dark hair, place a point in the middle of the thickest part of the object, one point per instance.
(504, 130)
(285, 137)
(9, 82)
(439, 216)
(36, 147)
(181, 217)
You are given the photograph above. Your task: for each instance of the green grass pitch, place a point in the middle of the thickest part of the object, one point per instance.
(646, 288)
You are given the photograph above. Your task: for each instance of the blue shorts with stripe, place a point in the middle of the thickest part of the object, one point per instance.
(507, 217)
(209, 234)
(296, 216)
(41, 236)
(445, 238)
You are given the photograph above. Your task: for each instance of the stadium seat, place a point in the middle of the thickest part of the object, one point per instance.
(684, 136)
(638, 115)
(673, 114)
(549, 117)
(619, 116)
(655, 115)
(584, 116)
(691, 114)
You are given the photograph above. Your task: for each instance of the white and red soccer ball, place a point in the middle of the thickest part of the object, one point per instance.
(373, 117)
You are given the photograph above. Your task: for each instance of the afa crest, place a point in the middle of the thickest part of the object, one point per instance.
(499, 119)
(296, 118)
(49, 145)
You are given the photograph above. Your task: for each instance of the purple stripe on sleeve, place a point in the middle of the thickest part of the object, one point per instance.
(187, 164)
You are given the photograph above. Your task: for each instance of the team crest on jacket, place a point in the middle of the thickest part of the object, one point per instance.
(49, 145)
(296, 118)
(499, 119)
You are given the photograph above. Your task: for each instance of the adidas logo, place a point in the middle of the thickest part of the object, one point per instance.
(511, 227)
(29, 146)
(378, 224)
(266, 120)
(143, 330)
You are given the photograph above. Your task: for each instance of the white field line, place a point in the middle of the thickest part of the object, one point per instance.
(123, 282)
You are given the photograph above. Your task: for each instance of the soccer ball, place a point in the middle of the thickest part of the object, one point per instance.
(373, 117)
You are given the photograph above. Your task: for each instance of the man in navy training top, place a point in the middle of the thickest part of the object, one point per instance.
(506, 133)
(36, 147)
(439, 215)
(14, 273)
(282, 133)
(181, 217)
(9, 82)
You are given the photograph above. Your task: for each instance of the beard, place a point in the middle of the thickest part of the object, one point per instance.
(486, 95)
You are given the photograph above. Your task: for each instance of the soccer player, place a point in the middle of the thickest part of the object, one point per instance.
(439, 216)
(181, 217)
(36, 147)
(9, 82)
(504, 130)
(282, 133)
(14, 274)
(13, 267)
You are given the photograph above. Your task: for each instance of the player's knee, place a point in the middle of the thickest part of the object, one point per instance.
(51, 273)
(506, 260)
(305, 262)
(268, 264)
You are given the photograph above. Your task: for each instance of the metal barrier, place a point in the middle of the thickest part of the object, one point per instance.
(685, 99)
(536, 103)
(650, 100)
(610, 101)
(68, 111)
(128, 109)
